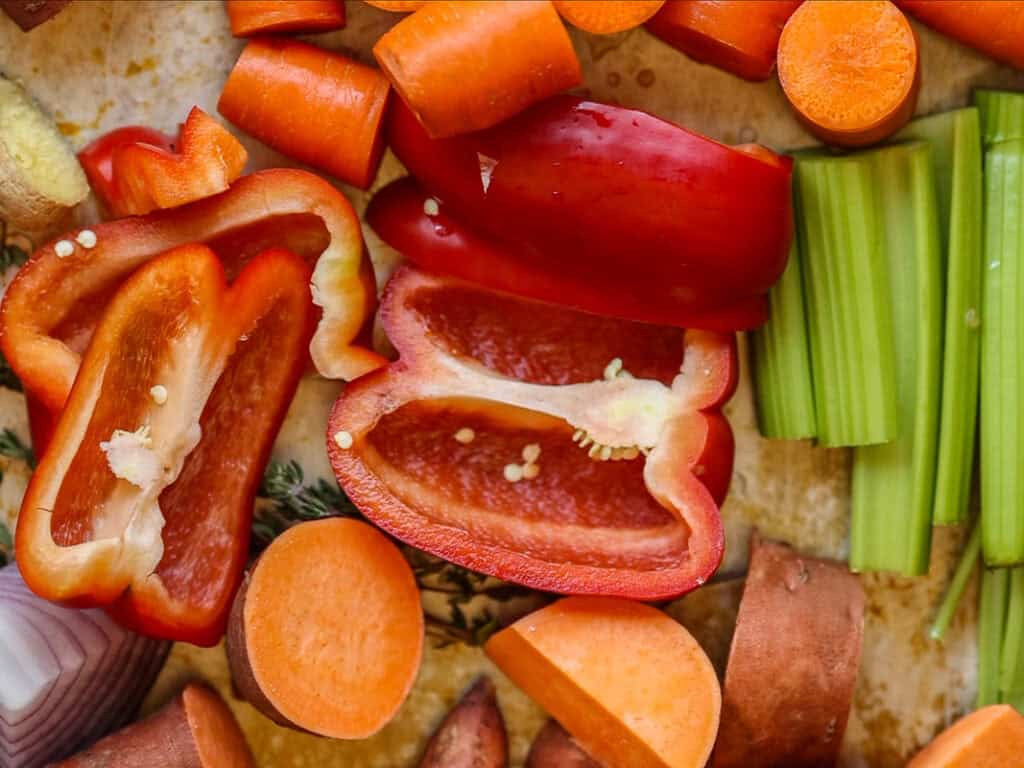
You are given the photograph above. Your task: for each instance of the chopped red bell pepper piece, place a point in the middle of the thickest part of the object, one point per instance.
(51, 306)
(143, 500)
(398, 214)
(139, 176)
(561, 450)
(612, 210)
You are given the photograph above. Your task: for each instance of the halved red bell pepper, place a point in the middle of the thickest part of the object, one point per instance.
(138, 176)
(143, 500)
(561, 450)
(612, 210)
(51, 306)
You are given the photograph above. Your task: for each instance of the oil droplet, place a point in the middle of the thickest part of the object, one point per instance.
(441, 230)
(613, 79)
(994, 264)
(748, 134)
(645, 78)
(972, 319)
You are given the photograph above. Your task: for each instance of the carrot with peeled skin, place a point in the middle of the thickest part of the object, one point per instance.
(326, 632)
(735, 35)
(605, 17)
(850, 69)
(991, 737)
(265, 17)
(466, 65)
(994, 27)
(315, 106)
(397, 6)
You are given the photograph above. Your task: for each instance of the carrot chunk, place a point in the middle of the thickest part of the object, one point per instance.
(465, 65)
(326, 633)
(315, 106)
(264, 17)
(992, 737)
(605, 17)
(850, 69)
(994, 27)
(629, 683)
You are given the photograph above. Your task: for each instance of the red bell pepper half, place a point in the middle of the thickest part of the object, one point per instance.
(143, 500)
(51, 306)
(134, 170)
(556, 449)
(608, 210)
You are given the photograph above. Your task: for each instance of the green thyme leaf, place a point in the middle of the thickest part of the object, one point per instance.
(12, 447)
(6, 545)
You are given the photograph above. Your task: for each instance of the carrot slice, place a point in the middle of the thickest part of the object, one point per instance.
(605, 17)
(264, 17)
(992, 737)
(398, 6)
(850, 70)
(326, 633)
(994, 27)
(735, 35)
(465, 65)
(313, 105)
(629, 683)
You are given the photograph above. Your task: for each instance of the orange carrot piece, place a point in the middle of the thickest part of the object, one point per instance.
(629, 683)
(735, 35)
(605, 17)
(994, 27)
(991, 737)
(315, 106)
(194, 730)
(207, 160)
(850, 70)
(326, 633)
(265, 17)
(397, 6)
(465, 65)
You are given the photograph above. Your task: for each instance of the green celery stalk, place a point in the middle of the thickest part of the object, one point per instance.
(893, 484)
(781, 361)
(1011, 665)
(955, 138)
(957, 585)
(995, 589)
(1002, 333)
(846, 284)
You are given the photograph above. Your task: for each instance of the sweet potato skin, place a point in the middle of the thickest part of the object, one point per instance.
(472, 735)
(29, 14)
(793, 662)
(554, 748)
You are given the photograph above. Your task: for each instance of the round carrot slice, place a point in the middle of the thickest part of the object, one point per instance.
(605, 17)
(326, 633)
(850, 69)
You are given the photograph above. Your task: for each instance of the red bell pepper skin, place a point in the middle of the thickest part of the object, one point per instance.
(628, 470)
(160, 533)
(97, 159)
(615, 211)
(51, 306)
(396, 213)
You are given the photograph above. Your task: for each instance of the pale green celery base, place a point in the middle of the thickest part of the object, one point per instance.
(995, 589)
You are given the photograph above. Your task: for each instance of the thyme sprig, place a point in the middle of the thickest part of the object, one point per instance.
(12, 447)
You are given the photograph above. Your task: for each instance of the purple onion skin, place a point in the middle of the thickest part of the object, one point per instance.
(101, 673)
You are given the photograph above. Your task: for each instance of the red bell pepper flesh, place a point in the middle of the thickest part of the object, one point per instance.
(97, 159)
(605, 204)
(517, 373)
(167, 553)
(51, 306)
(441, 243)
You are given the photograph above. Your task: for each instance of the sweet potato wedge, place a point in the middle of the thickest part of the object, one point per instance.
(991, 737)
(29, 14)
(793, 662)
(472, 735)
(554, 748)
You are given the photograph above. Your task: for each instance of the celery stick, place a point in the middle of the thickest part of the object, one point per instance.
(1011, 665)
(995, 585)
(893, 484)
(955, 138)
(782, 364)
(957, 585)
(1002, 332)
(846, 283)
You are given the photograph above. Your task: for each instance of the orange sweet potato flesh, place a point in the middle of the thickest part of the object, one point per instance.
(850, 70)
(326, 633)
(555, 748)
(472, 735)
(793, 662)
(629, 683)
(992, 737)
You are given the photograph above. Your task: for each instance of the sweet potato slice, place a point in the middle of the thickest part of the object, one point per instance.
(472, 735)
(326, 633)
(793, 662)
(555, 748)
(629, 683)
(992, 737)
(195, 730)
